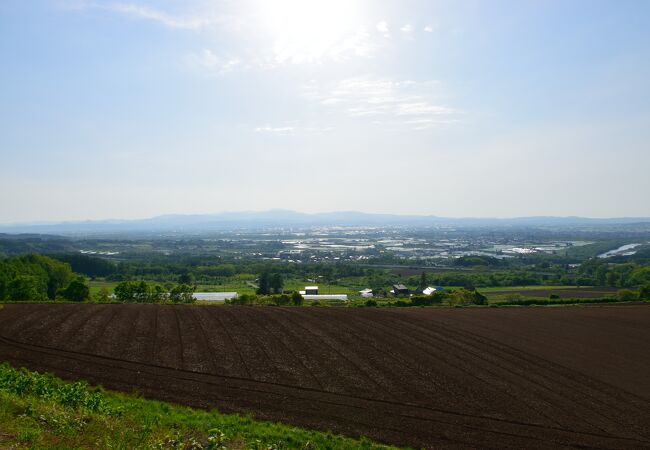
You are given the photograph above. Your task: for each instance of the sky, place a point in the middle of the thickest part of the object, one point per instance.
(136, 108)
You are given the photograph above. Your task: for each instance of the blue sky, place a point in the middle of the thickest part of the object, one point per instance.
(126, 109)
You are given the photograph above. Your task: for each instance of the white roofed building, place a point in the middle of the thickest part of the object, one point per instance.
(340, 297)
(214, 296)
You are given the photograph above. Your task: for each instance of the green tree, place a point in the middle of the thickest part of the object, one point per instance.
(225, 270)
(264, 284)
(58, 274)
(102, 296)
(640, 276)
(157, 294)
(276, 283)
(142, 292)
(601, 275)
(423, 281)
(126, 291)
(296, 298)
(77, 291)
(612, 279)
(186, 278)
(25, 288)
(182, 293)
(328, 274)
(644, 292)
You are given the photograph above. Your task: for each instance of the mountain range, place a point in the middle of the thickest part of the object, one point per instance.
(277, 218)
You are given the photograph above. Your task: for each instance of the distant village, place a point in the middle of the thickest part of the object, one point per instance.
(312, 293)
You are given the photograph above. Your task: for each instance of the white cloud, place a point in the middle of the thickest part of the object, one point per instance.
(382, 27)
(293, 130)
(407, 103)
(263, 35)
(408, 28)
(429, 29)
(276, 131)
(213, 64)
(185, 22)
(295, 49)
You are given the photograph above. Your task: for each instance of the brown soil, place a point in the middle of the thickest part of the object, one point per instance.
(434, 378)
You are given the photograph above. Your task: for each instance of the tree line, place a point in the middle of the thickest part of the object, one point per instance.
(38, 278)
(143, 292)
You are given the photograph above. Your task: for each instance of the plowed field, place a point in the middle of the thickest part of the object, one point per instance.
(435, 378)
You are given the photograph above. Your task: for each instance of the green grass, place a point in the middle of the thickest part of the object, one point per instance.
(522, 288)
(96, 285)
(41, 411)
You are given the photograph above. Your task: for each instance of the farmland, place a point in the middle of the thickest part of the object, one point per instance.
(450, 378)
(39, 411)
(496, 294)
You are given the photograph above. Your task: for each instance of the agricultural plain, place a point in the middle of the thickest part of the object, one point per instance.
(436, 378)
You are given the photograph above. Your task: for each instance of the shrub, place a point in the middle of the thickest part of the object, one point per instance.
(421, 300)
(281, 300)
(244, 299)
(102, 296)
(296, 298)
(370, 303)
(468, 297)
(438, 297)
(626, 295)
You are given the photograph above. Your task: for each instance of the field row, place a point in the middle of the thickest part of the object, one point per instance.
(433, 378)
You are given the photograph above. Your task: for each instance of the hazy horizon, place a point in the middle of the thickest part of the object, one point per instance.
(139, 108)
(282, 213)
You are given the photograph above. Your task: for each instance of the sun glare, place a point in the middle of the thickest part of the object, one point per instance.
(311, 30)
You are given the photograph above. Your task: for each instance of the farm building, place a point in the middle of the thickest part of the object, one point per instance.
(366, 293)
(430, 290)
(310, 290)
(400, 289)
(214, 296)
(340, 297)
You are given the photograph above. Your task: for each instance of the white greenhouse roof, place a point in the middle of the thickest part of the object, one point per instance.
(214, 296)
(341, 297)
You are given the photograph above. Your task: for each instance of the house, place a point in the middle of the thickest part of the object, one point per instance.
(428, 291)
(311, 290)
(400, 289)
(366, 293)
